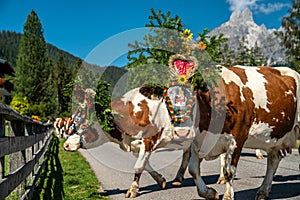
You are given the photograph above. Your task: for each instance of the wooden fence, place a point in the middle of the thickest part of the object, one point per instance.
(23, 144)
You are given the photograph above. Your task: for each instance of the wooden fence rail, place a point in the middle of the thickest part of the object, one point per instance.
(23, 144)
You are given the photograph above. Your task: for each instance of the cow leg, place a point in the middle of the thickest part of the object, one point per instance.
(222, 179)
(229, 169)
(273, 160)
(194, 169)
(184, 163)
(139, 167)
(134, 188)
(258, 154)
(161, 181)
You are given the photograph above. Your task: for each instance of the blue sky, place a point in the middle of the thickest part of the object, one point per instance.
(79, 26)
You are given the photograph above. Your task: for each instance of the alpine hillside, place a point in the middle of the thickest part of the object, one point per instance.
(241, 28)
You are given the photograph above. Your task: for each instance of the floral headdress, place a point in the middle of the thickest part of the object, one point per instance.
(182, 67)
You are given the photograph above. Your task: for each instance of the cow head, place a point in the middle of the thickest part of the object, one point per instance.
(73, 143)
(88, 137)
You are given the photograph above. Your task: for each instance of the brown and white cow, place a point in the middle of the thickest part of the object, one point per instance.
(142, 124)
(60, 125)
(253, 107)
(262, 112)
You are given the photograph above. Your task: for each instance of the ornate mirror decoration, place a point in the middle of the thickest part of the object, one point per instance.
(179, 94)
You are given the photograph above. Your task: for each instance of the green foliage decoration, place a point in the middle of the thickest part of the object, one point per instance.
(148, 59)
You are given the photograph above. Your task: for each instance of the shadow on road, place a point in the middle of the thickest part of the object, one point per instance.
(279, 190)
(189, 182)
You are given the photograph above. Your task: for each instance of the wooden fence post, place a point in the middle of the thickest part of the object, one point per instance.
(25, 147)
(18, 159)
(2, 135)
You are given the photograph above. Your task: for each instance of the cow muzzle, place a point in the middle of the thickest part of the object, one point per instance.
(182, 133)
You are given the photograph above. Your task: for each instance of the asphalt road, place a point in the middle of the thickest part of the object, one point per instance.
(114, 170)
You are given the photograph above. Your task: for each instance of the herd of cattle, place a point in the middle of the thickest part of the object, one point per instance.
(251, 107)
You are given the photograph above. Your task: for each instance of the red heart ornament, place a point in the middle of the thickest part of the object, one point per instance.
(183, 66)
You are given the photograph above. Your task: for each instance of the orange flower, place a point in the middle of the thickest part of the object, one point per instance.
(201, 46)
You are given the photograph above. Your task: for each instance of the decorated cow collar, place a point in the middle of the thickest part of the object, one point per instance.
(179, 93)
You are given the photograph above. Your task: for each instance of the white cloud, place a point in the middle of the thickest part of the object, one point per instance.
(241, 4)
(271, 7)
(254, 5)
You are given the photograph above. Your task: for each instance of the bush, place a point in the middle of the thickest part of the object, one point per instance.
(20, 104)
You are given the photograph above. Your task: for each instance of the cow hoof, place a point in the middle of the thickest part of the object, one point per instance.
(177, 182)
(259, 156)
(163, 183)
(131, 194)
(221, 180)
(211, 194)
(133, 191)
(260, 196)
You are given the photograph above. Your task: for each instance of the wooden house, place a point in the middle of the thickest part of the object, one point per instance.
(5, 85)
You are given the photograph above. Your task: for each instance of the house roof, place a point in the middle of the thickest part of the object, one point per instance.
(5, 68)
(4, 92)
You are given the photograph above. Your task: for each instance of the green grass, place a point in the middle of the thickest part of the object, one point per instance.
(67, 175)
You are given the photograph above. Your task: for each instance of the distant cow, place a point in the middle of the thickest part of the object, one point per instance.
(60, 125)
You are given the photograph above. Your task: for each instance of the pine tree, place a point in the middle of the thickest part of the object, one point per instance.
(34, 77)
(257, 58)
(243, 57)
(227, 55)
(291, 34)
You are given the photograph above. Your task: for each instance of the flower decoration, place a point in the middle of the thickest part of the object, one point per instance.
(182, 79)
(182, 93)
(181, 65)
(187, 35)
(201, 46)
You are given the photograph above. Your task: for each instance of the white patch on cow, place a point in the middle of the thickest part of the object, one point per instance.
(143, 158)
(257, 84)
(261, 128)
(268, 144)
(285, 71)
(260, 136)
(135, 97)
(229, 76)
(283, 114)
(159, 114)
(289, 92)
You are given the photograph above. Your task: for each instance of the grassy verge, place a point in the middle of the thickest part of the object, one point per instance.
(66, 175)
